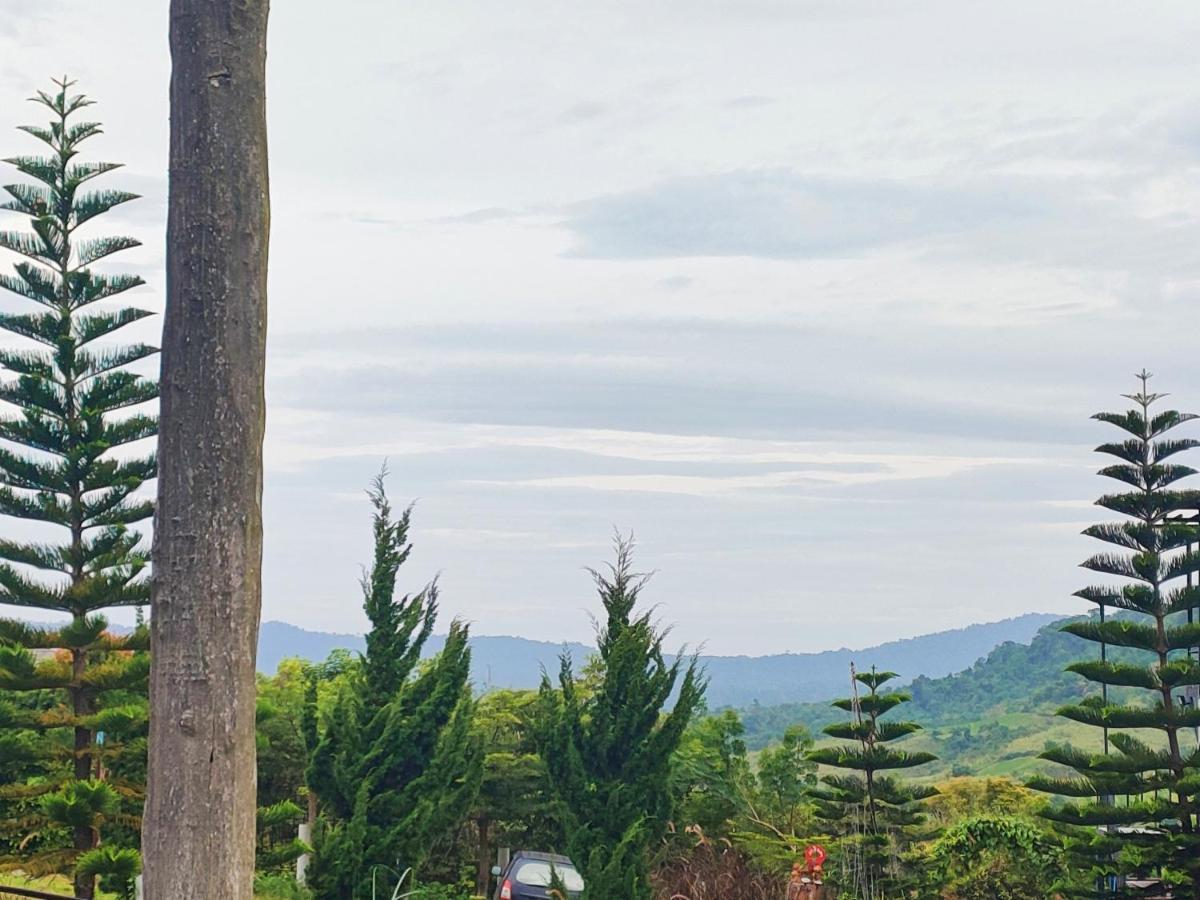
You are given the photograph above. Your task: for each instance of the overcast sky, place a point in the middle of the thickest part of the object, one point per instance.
(815, 296)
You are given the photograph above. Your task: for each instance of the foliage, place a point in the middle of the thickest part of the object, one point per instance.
(116, 867)
(989, 720)
(396, 766)
(282, 742)
(873, 812)
(275, 886)
(278, 846)
(786, 779)
(435, 891)
(993, 857)
(1149, 577)
(710, 774)
(73, 469)
(515, 806)
(609, 750)
(281, 720)
(959, 799)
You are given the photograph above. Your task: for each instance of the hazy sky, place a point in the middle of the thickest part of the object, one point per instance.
(816, 296)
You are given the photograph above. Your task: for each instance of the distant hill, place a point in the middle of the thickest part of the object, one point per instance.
(789, 677)
(514, 662)
(500, 662)
(990, 719)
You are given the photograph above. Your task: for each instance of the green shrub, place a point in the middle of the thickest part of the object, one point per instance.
(279, 887)
(441, 892)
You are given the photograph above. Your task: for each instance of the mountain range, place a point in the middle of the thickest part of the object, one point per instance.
(991, 719)
(736, 681)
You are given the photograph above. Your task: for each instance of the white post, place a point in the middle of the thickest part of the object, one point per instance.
(137, 888)
(303, 860)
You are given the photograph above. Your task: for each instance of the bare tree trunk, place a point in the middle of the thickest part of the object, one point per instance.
(81, 706)
(483, 868)
(198, 832)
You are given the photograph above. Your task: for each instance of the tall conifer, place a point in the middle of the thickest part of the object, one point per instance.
(396, 766)
(1136, 811)
(66, 463)
(870, 808)
(609, 751)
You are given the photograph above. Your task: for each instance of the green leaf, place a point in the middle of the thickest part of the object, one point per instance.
(876, 704)
(42, 134)
(82, 172)
(1130, 717)
(92, 327)
(39, 556)
(17, 590)
(1116, 673)
(36, 283)
(89, 252)
(37, 167)
(96, 203)
(40, 327)
(88, 287)
(92, 364)
(31, 200)
(1147, 476)
(870, 759)
(1117, 632)
(1181, 637)
(32, 246)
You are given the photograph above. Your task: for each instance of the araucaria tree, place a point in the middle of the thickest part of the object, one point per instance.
(872, 811)
(609, 749)
(1135, 811)
(67, 463)
(397, 767)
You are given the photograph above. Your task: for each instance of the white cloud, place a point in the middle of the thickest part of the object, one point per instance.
(876, 254)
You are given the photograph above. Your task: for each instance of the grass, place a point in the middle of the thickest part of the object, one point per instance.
(53, 884)
(57, 884)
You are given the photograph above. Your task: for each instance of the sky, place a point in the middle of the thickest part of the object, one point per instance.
(815, 297)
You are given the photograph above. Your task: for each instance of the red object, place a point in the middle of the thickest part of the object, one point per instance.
(506, 891)
(814, 855)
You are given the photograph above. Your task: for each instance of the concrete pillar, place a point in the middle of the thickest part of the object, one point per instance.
(303, 861)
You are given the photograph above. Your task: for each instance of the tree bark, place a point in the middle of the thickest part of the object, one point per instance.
(483, 869)
(84, 835)
(198, 831)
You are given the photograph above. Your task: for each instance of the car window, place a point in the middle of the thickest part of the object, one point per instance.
(537, 874)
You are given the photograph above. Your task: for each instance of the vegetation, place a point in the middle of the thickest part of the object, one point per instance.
(514, 807)
(991, 720)
(993, 858)
(396, 766)
(72, 697)
(873, 812)
(1146, 793)
(609, 750)
(709, 773)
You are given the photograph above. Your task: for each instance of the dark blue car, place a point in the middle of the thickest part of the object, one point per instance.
(528, 876)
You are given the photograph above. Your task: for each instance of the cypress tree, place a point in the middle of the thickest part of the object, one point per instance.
(66, 463)
(1135, 811)
(609, 750)
(872, 810)
(396, 767)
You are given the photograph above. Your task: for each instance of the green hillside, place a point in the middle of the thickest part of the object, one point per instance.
(991, 719)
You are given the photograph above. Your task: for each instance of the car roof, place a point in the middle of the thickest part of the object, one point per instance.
(542, 857)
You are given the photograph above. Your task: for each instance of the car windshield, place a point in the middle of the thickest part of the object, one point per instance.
(537, 874)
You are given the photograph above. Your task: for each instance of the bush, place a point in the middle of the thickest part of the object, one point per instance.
(116, 867)
(713, 871)
(279, 887)
(441, 892)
